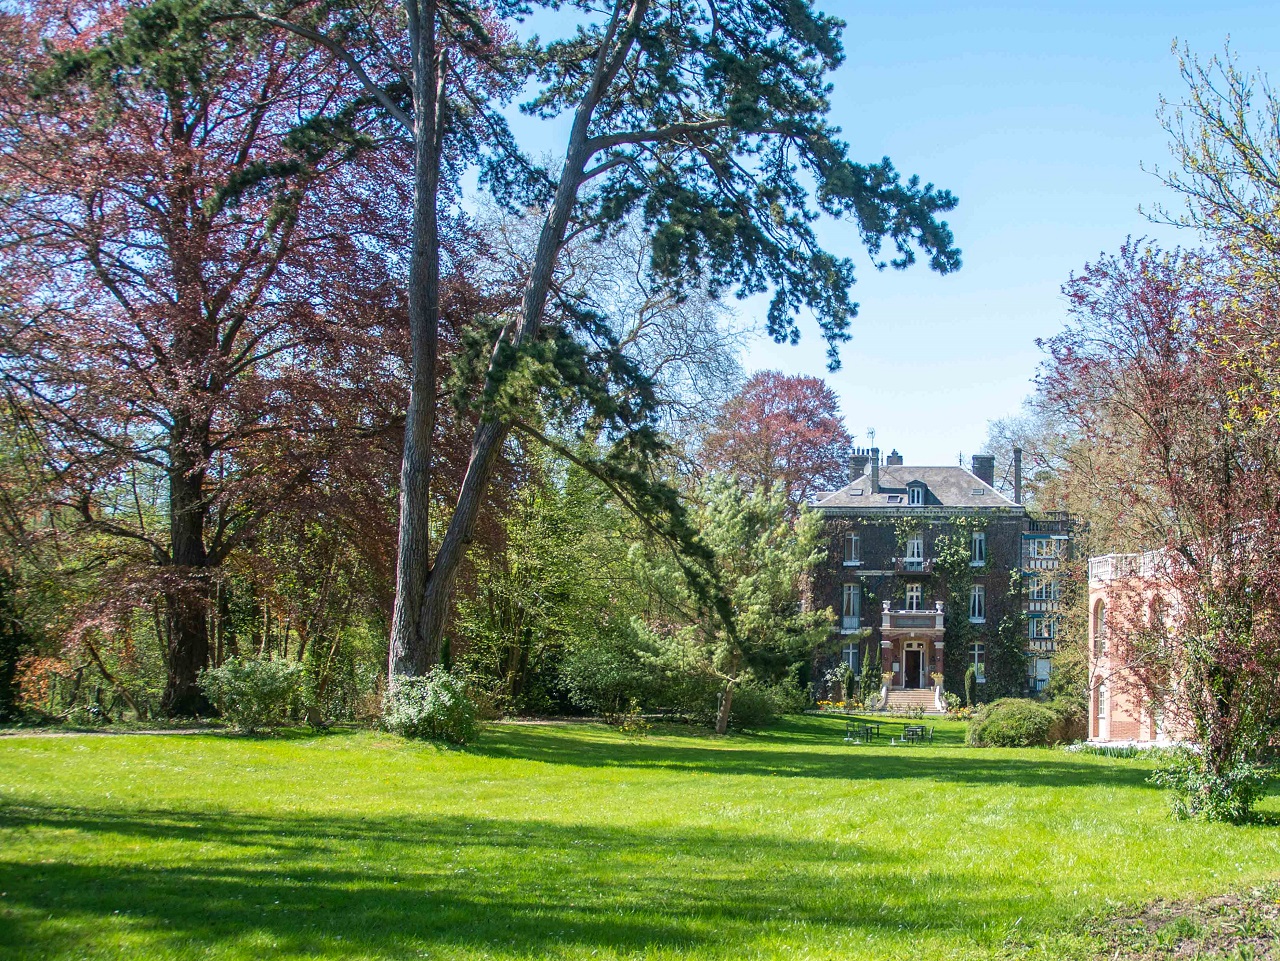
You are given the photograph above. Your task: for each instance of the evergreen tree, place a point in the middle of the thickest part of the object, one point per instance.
(709, 121)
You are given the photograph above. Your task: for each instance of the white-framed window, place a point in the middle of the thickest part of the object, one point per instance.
(978, 549)
(1102, 700)
(1043, 547)
(915, 552)
(915, 595)
(851, 607)
(852, 549)
(1040, 588)
(849, 657)
(978, 658)
(915, 496)
(1040, 628)
(977, 604)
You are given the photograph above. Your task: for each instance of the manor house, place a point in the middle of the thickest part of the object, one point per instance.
(944, 572)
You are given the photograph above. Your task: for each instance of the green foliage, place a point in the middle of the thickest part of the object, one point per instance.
(872, 672)
(633, 723)
(760, 556)
(605, 671)
(433, 707)
(548, 625)
(1012, 722)
(970, 686)
(1228, 794)
(1071, 719)
(252, 694)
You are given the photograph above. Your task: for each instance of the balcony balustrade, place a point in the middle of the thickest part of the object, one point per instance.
(913, 565)
(911, 620)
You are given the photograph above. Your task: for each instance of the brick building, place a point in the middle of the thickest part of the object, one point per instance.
(933, 570)
(1126, 593)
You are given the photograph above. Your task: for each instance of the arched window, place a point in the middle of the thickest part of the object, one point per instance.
(1100, 628)
(1157, 613)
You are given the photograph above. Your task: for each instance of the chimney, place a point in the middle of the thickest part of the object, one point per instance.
(875, 470)
(858, 463)
(984, 468)
(893, 460)
(1017, 475)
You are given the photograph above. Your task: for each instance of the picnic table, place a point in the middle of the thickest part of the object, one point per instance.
(915, 733)
(861, 730)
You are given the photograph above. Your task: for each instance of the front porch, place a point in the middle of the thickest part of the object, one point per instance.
(911, 651)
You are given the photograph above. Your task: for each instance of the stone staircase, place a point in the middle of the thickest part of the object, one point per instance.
(910, 700)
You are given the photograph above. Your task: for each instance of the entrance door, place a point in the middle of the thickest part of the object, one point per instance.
(913, 664)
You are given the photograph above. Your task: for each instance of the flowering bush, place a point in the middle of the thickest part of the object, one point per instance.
(434, 707)
(252, 694)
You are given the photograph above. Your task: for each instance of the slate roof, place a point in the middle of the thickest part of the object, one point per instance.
(946, 487)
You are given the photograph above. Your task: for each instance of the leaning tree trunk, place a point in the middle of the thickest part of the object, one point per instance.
(492, 431)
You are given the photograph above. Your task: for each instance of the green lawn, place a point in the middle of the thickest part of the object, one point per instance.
(572, 842)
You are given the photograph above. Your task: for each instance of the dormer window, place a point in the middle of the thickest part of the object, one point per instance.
(915, 496)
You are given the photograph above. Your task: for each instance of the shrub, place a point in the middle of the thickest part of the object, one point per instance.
(633, 723)
(871, 674)
(434, 707)
(1212, 796)
(970, 686)
(252, 694)
(756, 704)
(1012, 722)
(604, 674)
(1071, 719)
(752, 706)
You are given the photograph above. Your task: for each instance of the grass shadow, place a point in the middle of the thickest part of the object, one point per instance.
(366, 886)
(810, 748)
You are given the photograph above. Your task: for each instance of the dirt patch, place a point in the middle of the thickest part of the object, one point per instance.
(1241, 927)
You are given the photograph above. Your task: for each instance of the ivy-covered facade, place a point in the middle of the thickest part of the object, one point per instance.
(928, 573)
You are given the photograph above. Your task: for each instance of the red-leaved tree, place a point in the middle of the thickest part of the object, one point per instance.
(781, 429)
(1162, 370)
(196, 305)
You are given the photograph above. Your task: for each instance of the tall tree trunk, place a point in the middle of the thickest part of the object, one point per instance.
(186, 597)
(413, 561)
(490, 434)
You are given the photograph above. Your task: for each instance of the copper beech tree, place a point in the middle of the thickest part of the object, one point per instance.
(781, 430)
(196, 307)
(1167, 376)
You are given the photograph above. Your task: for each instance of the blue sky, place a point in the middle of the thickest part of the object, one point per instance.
(1038, 116)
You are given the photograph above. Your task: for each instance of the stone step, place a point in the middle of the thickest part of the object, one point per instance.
(907, 700)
